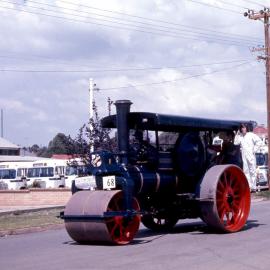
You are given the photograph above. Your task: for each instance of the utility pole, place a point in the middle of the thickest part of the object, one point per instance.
(91, 113)
(110, 102)
(263, 15)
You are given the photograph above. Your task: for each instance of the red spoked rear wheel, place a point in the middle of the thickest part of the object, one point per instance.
(225, 198)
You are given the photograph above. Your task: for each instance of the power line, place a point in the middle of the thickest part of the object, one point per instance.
(49, 59)
(226, 39)
(168, 33)
(176, 80)
(232, 4)
(132, 21)
(221, 41)
(213, 6)
(149, 19)
(255, 3)
(120, 69)
(155, 20)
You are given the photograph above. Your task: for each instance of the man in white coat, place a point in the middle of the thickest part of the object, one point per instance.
(249, 143)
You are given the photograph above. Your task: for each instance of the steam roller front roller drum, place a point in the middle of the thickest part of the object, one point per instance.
(225, 198)
(115, 230)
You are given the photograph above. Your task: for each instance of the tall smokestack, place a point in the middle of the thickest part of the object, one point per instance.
(122, 111)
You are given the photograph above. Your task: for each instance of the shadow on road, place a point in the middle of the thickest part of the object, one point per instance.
(145, 236)
(252, 224)
(197, 227)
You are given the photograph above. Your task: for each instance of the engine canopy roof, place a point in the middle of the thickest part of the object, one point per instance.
(174, 123)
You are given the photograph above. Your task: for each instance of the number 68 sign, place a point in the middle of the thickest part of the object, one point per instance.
(108, 182)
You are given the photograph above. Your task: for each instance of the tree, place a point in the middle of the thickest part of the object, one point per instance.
(60, 144)
(34, 148)
(40, 151)
(96, 136)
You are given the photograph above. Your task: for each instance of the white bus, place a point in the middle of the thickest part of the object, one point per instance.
(73, 173)
(13, 174)
(49, 173)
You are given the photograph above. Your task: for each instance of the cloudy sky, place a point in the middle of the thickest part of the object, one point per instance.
(188, 57)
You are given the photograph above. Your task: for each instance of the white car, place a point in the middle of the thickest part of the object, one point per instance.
(262, 169)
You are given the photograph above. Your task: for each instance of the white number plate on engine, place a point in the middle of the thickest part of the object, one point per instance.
(109, 182)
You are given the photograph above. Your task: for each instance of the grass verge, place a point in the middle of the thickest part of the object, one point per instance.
(24, 220)
(262, 194)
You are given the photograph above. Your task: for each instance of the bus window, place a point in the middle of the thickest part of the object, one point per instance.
(60, 170)
(7, 174)
(261, 159)
(21, 172)
(33, 172)
(71, 171)
(46, 172)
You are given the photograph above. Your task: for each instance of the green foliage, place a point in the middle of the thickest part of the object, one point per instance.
(34, 148)
(97, 137)
(61, 144)
(35, 184)
(263, 194)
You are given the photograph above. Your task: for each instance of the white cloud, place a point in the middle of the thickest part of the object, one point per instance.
(13, 105)
(40, 116)
(53, 102)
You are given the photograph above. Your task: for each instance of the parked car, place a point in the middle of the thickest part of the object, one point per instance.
(262, 169)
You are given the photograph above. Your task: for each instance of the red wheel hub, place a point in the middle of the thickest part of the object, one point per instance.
(122, 229)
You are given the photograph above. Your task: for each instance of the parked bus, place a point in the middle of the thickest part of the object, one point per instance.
(13, 174)
(47, 173)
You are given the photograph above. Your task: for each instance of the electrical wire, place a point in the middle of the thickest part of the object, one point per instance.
(172, 81)
(255, 3)
(132, 21)
(167, 33)
(121, 69)
(160, 21)
(209, 39)
(213, 6)
(189, 33)
(35, 57)
(150, 19)
(231, 4)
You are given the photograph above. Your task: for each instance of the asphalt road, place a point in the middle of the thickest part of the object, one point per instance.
(190, 246)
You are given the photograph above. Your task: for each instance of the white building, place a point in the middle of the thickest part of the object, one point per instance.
(11, 152)
(8, 149)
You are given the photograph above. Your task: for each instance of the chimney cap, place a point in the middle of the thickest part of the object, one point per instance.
(123, 101)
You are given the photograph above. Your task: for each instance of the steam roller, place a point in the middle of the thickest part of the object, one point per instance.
(156, 182)
(103, 228)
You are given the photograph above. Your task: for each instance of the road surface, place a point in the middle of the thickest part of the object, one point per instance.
(191, 245)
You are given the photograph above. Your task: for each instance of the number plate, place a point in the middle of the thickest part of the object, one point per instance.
(109, 182)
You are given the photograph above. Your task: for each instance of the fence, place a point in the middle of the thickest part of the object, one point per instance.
(34, 197)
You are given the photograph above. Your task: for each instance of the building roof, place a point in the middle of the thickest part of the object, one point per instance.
(260, 131)
(20, 158)
(65, 156)
(5, 144)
